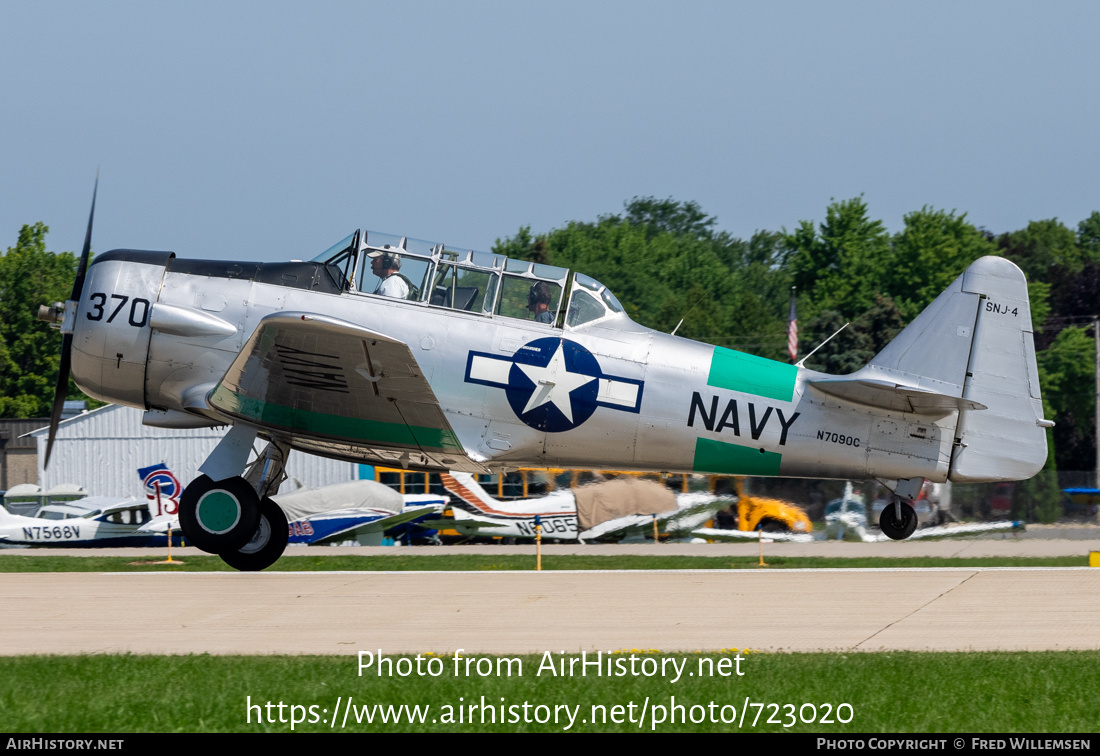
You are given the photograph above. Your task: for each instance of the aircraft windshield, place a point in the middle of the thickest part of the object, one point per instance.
(340, 258)
(591, 301)
(341, 246)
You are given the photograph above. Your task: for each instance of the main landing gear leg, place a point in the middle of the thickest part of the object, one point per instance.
(271, 534)
(226, 513)
(219, 510)
(899, 520)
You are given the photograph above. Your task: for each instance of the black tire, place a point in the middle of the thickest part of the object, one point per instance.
(898, 529)
(267, 543)
(231, 509)
(772, 526)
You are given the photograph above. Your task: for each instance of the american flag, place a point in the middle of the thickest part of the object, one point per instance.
(792, 331)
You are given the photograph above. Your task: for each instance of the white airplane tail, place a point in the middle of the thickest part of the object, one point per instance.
(973, 347)
(470, 496)
(471, 501)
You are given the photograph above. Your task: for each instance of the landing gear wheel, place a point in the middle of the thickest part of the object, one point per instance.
(220, 516)
(267, 543)
(893, 527)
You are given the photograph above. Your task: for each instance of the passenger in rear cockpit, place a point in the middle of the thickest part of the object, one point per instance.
(538, 302)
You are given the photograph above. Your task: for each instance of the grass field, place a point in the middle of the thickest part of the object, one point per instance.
(885, 692)
(314, 562)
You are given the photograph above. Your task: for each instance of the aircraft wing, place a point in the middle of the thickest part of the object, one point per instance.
(717, 534)
(117, 506)
(949, 532)
(628, 524)
(693, 510)
(380, 524)
(338, 389)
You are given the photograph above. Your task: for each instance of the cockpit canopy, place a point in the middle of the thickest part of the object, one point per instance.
(438, 275)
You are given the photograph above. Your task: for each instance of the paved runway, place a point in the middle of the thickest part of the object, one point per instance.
(510, 612)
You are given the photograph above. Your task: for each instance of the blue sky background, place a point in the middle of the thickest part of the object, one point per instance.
(269, 130)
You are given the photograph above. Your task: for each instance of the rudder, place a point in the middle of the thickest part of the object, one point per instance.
(1008, 440)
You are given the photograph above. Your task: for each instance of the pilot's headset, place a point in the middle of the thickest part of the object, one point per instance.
(539, 292)
(390, 258)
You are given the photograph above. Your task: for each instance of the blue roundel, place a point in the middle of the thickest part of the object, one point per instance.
(553, 384)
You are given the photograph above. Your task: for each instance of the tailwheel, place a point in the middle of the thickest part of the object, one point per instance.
(895, 527)
(219, 516)
(267, 543)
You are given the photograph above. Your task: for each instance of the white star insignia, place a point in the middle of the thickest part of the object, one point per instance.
(554, 383)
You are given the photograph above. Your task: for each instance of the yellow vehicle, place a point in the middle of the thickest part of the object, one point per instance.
(764, 513)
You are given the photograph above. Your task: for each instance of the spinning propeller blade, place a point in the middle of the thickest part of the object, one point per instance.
(67, 339)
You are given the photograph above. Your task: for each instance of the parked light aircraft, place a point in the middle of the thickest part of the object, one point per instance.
(484, 363)
(98, 521)
(478, 513)
(358, 510)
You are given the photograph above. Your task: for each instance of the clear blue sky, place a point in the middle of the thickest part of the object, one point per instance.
(269, 130)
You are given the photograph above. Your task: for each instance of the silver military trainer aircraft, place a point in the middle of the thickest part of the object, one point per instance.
(401, 352)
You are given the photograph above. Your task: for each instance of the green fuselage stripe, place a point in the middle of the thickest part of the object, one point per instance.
(720, 458)
(350, 429)
(749, 374)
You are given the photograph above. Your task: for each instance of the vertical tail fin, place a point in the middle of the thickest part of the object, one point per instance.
(975, 341)
(469, 492)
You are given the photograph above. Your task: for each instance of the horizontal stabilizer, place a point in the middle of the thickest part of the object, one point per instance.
(894, 396)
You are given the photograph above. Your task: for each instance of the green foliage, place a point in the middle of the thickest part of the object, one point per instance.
(1068, 373)
(846, 353)
(841, 265)
(1088, 237)
(668, 217)
(1038, 295)
(29, 349)
(928, 254)
(1045, 248)
(853, 347)
(1067, 377)
(1039, 499)
(523, 246)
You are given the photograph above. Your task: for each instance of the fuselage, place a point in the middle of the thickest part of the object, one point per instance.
(156, 332)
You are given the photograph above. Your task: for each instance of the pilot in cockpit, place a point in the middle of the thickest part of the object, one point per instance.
(386, 266)
(538, 302)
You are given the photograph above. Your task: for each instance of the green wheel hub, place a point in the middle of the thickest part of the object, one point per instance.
(218, 511)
